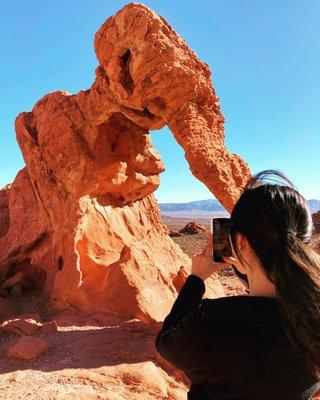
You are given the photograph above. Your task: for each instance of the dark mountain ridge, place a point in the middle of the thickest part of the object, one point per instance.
(214, 205)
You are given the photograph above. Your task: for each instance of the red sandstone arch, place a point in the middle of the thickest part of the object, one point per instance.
(91, 170)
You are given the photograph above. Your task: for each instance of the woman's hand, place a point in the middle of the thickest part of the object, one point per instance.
(202, 264)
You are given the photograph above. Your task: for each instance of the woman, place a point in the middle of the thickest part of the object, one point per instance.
(266, 345)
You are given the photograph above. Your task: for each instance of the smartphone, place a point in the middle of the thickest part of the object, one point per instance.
(220, 228)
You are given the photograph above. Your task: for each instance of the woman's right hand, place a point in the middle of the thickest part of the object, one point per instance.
(202, 264)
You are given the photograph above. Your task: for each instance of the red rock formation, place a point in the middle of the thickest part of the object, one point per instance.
(157, 80)
(192, 228)
(4, 210)
(83, 211)
(26, 229)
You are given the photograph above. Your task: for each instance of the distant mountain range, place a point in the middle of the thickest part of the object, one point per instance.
(203, 205)
(204, 208)
(314, 205)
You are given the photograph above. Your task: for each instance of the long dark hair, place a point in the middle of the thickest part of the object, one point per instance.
(277, 222)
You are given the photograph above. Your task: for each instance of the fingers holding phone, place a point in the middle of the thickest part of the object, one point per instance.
(222, 249)
(203, 264)
(220, 228)
(207, 250)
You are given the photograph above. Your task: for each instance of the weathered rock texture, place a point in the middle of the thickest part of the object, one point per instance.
(82, 212)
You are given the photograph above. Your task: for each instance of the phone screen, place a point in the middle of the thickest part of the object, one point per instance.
(220, 228)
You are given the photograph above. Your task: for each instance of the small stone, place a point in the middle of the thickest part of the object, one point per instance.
(28, 347)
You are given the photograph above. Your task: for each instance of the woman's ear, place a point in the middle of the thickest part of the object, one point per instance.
(242, 244)
(237, 260)
(241, 241)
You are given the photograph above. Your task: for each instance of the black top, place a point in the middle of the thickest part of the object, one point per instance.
(232, 347)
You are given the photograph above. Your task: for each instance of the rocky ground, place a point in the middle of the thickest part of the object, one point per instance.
(99, 356)
(95, 357)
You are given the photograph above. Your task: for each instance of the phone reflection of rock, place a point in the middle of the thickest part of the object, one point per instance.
(221, 243)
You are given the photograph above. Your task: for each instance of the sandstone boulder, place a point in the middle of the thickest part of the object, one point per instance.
(23, 325)
(193, 227)
(28, 347)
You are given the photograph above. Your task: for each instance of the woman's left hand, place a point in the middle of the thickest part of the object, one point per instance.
(203, 265)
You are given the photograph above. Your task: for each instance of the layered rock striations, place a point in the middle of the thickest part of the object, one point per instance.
(82, 210)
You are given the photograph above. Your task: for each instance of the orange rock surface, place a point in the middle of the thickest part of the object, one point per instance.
(82, 213)
(28, 347)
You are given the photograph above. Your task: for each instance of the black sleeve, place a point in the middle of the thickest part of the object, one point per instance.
(178, 341)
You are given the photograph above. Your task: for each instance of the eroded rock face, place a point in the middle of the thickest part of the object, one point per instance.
(26, 230)
(4, 210)
(88, 216)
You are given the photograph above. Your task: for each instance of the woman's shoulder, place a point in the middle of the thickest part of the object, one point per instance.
(243, 307)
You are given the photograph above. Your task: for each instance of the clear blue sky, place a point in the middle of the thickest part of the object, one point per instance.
(264, 57)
